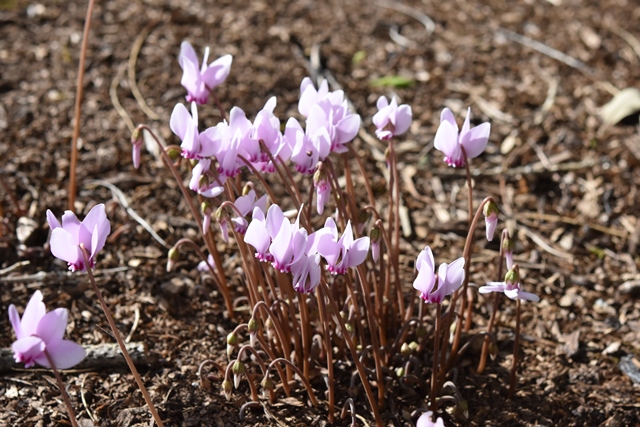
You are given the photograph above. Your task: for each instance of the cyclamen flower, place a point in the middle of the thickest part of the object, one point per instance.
(448, 280)
(244, 204)
(348, 251)
(66, 238)
(195, 145)
(38, 331)
(199, 81)
(391, 119)
(474, 140)
(425, 421)
(511, 287)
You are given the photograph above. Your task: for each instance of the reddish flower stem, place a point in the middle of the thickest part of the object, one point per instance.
(516, 350)
(116, 334)
(63, 391)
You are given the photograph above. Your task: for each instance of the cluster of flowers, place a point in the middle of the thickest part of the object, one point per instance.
(290, 248)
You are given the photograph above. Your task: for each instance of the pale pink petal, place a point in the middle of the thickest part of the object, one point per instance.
(65, 354)
(32, 315)
(475, 140)
(426, 279)
(52, 220)
(492, 287)
(403, 119)
(179, 121)
(217, 71)
(381, 103)
(446, 139)
(52, 326)
(64, 246)
(447, 116)
(187, 54)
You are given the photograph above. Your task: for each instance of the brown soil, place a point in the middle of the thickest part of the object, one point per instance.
(567, 186)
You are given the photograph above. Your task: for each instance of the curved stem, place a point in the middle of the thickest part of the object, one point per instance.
(467, 265)
(63, 391)
(77, 110)
(302, 378)
(213, 250)
(116, 334)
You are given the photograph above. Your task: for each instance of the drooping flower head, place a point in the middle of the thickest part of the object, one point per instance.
(448, 140)
(65, 240)
(199, 81)
(341, 253)
(391, 119)
(446, 282)
(38, 331)
(511, 287)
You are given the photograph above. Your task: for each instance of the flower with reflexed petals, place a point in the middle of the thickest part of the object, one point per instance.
(391, 119)
(447, 281)
(38, 331)
(92, 233)
(199, 81)
(449, 141)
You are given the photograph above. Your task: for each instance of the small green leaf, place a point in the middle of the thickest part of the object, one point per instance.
(392, 81)
(599, 252)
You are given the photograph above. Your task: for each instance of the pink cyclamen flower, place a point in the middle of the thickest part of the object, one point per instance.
(342, 253)
(199, 81)
(448, 280)
(426, 421)
(92, 233)
(448, 140)
(391, 119)
(39, 331)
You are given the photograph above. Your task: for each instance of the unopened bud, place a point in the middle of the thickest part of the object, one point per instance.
(507, 249)
(400, 372)
(252, 327)
(490, 212)
(172, 257)
(405, 349)
(237, 369)
(227, 387)
(232, 341)
(174, 153)
(413, 345)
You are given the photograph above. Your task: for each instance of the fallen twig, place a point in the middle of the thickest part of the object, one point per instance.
(99, 356)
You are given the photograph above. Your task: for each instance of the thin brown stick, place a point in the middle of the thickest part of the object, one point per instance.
(516, 349)
(76, 124)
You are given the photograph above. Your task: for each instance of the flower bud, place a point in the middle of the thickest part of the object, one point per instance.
(238, 370)
(490, 212)
(174, 153)
(323, 189)
(226, 388)
(375, 237)
(232, 341)
(405, 350)
(400, 372)
(507, 249)
(172, 257)
(136, 141)
(267, 385)
(252, 327)
(413, 345)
